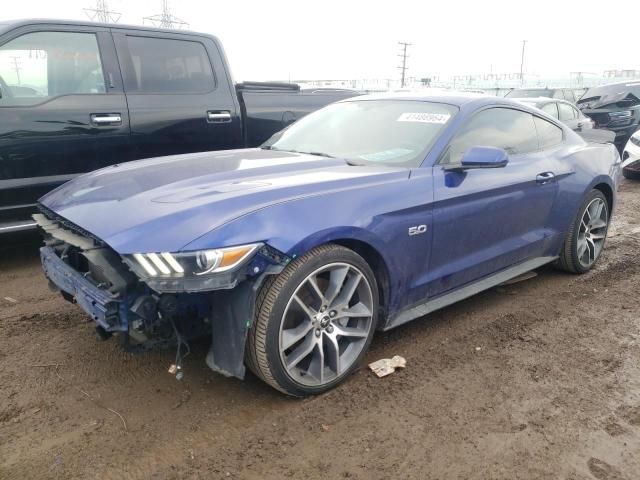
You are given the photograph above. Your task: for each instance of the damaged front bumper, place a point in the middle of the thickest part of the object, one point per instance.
(104, 307)
(90, 274)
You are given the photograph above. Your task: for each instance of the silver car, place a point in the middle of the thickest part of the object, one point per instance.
(564, 111)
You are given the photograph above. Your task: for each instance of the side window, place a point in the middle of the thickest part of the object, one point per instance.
(41, 65)
(549, 134)
(551, 109)
(567, 112)
(506, 128)
(161, 65)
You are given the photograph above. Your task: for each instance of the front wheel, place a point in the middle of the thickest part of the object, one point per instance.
(585, 239)
(314, 321)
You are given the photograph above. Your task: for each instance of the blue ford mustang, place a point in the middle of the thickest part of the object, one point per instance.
(364, 215)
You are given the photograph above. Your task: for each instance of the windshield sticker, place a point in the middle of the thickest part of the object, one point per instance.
(424, 117)
(386, 155)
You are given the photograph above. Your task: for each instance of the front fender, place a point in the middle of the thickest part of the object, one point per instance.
(335, 234)
(378, 215)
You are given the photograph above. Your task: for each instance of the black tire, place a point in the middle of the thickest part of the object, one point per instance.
(568, 260)
(632, 171)
(263, 353)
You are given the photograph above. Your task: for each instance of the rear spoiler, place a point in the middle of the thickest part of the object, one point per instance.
(596, 135)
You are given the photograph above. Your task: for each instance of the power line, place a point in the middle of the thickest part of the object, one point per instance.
(403, 67)
(524, 43)
(17, 67)
(101, 13)
(165, 19)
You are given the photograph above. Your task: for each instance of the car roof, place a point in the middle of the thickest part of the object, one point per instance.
(455, 98)
(6, 26)
(548, 89)
(541, 100)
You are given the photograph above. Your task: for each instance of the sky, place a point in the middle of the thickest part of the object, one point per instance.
(349, 39)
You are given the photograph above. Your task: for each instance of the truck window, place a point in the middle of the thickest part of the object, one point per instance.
(38, 66)
(161, 65)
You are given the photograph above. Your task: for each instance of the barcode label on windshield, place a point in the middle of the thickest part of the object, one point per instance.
(424, 117)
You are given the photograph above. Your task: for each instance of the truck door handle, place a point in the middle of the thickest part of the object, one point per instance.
(545, 177)
(106, 118)
(218, 116)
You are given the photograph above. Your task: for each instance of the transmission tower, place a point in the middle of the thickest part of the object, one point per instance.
(165, 19)
(101, 13)
(403, 67)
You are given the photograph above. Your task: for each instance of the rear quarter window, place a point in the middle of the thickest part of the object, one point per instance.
(549, 135)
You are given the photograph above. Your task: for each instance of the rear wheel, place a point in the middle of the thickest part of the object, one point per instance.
(314, 321)
(586, 237)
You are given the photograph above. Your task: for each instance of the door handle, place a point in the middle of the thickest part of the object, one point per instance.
(106, 118)
(545, 177)
(218, 116)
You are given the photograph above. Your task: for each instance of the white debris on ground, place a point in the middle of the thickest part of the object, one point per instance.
(387, 366)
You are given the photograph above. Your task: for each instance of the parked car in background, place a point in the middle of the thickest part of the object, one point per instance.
(364, 215)
(615, 107)
(567, 94)
(631, 158)
(564, 111)
(88, 95)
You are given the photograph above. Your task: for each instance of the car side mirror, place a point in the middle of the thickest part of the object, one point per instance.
(482, 157)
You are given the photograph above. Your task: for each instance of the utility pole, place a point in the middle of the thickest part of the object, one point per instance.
(403, 67)
(165, 19)
(17, 67)
(101, 13)
(524, 43)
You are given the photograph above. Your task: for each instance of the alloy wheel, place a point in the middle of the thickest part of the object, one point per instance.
(592, 232)
(326, 324)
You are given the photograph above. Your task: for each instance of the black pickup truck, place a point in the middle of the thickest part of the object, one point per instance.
(75, 97)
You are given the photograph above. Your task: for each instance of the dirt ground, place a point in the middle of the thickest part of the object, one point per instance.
(539, 379)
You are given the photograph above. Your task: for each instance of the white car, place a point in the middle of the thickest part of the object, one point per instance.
(631, 158)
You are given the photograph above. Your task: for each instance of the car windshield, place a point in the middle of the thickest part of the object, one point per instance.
(391, 132)
(528, 92)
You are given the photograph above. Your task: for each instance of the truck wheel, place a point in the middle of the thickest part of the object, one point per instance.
(585, 240)
(314, 321)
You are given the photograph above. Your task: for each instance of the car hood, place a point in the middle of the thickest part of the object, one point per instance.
(609, 96)
(163, 204)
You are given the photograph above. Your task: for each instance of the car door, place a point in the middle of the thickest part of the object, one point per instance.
(485, 220)
(62, 109)
(180, 98)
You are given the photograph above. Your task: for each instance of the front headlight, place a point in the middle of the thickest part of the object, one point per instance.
(191, 271)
